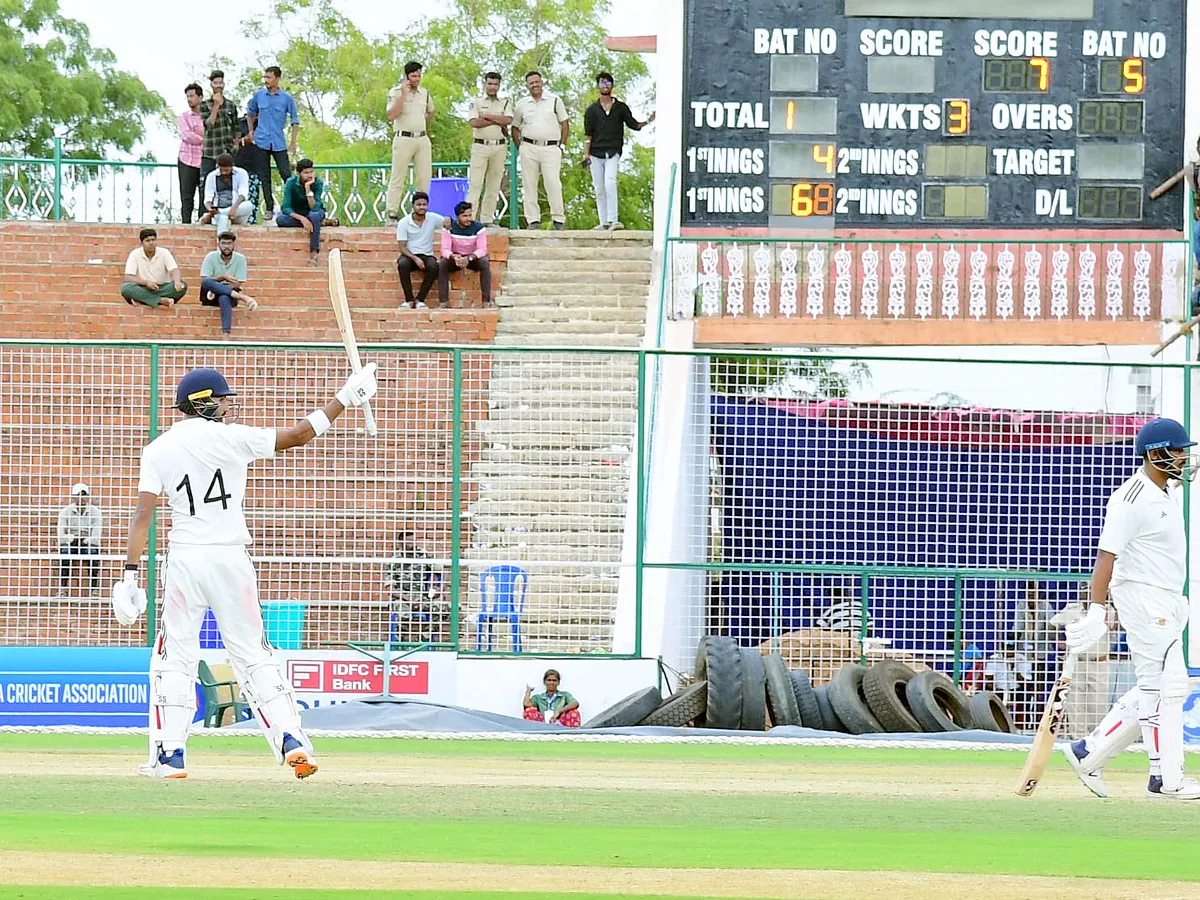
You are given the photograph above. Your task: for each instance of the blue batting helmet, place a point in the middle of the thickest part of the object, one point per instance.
(198, 391)
(1158, 434)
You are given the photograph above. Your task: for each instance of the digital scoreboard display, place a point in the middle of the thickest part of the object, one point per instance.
(928, 113)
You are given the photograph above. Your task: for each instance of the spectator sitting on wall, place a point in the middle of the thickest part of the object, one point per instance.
(844, 613)
(151, 273)
(222, 277)
(553, 706)
(79, 524)
(226, 195)
(301, 206)
(464, 246)
(415, 233)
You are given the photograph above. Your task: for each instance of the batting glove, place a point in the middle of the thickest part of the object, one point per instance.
(128, 600)
(359, 387)
(1089, 630)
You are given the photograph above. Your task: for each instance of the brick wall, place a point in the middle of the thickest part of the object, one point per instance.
(61, 280)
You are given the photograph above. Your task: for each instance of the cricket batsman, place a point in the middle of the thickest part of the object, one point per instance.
(200, 463)
(1140, 565)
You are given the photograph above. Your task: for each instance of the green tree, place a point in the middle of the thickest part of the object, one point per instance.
(341, 77)
(53, 81)
(787, 377)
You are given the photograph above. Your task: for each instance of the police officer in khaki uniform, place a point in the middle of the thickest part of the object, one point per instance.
(489, 117)
(540, 128)
(409, 110)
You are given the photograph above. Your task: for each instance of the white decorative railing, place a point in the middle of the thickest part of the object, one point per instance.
(927, 280)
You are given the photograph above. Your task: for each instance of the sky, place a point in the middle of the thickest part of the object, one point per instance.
(149, 43)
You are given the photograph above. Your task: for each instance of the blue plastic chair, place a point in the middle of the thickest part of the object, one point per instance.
(505, 603)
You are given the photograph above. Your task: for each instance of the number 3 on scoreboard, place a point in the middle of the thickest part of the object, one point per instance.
(956, 117)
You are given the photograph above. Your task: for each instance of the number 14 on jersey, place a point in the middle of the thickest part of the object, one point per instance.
(216, 492)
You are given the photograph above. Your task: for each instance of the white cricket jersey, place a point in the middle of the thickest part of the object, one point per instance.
(1143, 529)
(201, 465)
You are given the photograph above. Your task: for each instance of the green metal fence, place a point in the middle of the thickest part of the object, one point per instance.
(531, 457)
(147, 192)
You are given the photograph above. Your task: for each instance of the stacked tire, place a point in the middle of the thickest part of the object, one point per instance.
(740, 688)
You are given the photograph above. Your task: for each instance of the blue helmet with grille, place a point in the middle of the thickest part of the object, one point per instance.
(198, 392)
(1154, 443)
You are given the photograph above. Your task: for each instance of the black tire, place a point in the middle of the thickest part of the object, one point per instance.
(723, 671)
(781, 697)
(829, 719)
(754, 691)
(701, 667)
(884, 686)
(806, 699)
(937, 703)
(681, 708)
(989, 713)
(629, 711)
(850, 703)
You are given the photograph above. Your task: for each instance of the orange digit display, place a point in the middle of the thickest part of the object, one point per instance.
(1133, 71)
(824, 154)
(791, 115)
(957, 117)
(810, 199)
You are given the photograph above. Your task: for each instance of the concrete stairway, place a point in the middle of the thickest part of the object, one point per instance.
(558, 445)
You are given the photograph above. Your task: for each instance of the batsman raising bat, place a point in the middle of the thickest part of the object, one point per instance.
(200, 463)
(1140, 564)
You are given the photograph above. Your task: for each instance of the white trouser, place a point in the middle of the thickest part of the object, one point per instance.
(221, 577)
(239, 216)
(1153, 620)
(604, 181)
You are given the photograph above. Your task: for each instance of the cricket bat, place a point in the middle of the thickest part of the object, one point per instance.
(341, 310)
(1043, 741)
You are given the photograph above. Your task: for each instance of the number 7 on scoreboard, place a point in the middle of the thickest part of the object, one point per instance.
(956, 117)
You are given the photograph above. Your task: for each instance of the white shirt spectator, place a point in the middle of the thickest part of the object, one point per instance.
(76, 525)
(241, 187)
(157, 268)
(420, 237)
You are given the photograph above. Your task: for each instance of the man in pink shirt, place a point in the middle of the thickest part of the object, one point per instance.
(191, 140)
(464, 246)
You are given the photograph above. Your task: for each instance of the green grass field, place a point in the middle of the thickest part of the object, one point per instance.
(423, 819)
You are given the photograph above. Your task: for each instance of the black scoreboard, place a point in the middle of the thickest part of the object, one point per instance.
(932, 113)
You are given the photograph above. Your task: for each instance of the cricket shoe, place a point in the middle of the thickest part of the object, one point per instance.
(1077, 754)
(297, 757)
(168, 765)
(1189, 789)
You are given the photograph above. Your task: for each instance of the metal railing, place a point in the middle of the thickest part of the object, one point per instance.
(147, 192)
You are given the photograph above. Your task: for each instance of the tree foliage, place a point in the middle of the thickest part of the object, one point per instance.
(787, 377)
(340, 77)
(54, 82)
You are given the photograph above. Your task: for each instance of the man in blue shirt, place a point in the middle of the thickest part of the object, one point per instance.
(266, 113)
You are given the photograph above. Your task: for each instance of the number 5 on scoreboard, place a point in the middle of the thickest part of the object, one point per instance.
(956, 117)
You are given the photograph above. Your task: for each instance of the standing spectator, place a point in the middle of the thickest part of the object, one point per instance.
(222, 277)
(540, 127)
(415, 233)
(409, 109)
(226, 195)
(79, 524)
(490, 117)
(151, 273)
(220, 117)
(266, 114)
(247, 158)
(464, 246)
(301, 206)
(191, 141)
(604, 124)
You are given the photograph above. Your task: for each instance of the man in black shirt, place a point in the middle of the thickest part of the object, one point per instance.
(604, 124)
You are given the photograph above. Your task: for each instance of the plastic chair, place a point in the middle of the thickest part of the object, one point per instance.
(214, 708)
(505, 605)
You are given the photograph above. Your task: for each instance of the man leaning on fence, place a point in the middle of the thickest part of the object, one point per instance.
(409, 109)
(489, 118)
(152, 276)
